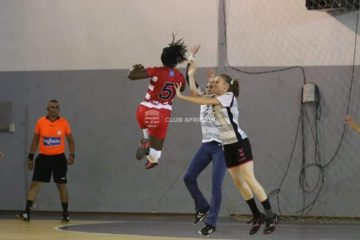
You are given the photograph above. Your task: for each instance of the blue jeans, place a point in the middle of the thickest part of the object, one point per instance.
(208, 152)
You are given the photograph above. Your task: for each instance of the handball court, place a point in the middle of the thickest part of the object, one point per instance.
(161, 226)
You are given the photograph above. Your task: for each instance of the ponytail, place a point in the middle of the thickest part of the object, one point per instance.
(233, 84)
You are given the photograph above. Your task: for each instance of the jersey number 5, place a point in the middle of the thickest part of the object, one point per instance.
(167, 91)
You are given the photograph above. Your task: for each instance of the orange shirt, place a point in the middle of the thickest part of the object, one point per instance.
(52, 135)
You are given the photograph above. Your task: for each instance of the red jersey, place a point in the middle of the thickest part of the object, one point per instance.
(161, 91)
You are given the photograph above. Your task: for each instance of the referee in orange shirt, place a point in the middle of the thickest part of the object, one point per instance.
(49, 135)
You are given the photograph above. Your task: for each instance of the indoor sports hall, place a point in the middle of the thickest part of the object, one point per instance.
(297, 64)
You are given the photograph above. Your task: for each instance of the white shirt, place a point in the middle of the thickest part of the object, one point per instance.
(227, 115)
(209, 128)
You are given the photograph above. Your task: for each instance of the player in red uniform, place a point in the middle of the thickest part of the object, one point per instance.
(154, 112)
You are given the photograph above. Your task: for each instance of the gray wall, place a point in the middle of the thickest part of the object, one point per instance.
(101, 105)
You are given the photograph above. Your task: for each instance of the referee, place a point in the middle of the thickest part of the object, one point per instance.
(49, 135)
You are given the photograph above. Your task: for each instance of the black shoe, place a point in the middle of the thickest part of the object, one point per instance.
(143, 149)
(271, 224)
(149, 164)
(24, 216)
(65, 218)
(207, 230)
(256, 223)
(200, 216)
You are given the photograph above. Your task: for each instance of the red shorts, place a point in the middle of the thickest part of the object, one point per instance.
(156, 120)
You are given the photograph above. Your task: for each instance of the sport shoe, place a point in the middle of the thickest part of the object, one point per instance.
(256, 223)
(65, 218)
(200, 216)
(207, 230)
(143, 149)
(271, 224)
(24, 216)
(149, 164)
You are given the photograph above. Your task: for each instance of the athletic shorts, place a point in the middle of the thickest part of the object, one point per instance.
(47, 165)
(155, 120)
(238, 153)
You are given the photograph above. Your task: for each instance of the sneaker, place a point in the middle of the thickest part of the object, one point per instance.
(271, 224)
(25, 216)
(207, 230)
(256, 223)
(200, 216)
(65, 218)
(149, 164)
(143, 149)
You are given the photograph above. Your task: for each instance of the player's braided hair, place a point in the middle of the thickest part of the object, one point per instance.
(174, 53)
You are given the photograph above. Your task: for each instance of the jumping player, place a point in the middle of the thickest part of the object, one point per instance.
(153, 113)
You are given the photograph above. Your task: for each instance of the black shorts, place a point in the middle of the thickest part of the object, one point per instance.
(238, 153)
(45, 165)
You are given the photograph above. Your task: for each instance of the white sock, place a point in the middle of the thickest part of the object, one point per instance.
(154, 155)
(146, 133)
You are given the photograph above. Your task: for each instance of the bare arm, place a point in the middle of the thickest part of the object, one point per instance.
(33, 148)
(190, 72)
(196, 99)
(137, 72)
(194, 87)
(71, 144)
(34, 143)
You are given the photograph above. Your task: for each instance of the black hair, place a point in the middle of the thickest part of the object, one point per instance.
(174, 53)
(233, 84)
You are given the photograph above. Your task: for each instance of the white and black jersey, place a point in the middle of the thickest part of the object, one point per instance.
(227, 115)
(209, 126)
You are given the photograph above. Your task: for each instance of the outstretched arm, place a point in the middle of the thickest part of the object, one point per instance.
(350, 122)
(137, 72)
(196, 99)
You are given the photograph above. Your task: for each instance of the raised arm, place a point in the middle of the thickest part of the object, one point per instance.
(194, 86)
(137, 72)
(190, 72)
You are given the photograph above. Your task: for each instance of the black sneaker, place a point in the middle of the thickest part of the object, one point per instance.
(200, 216)
(143, 149)
(271, 224)
(256, 223)
(65, 218)
(24, 216)
(207, 230)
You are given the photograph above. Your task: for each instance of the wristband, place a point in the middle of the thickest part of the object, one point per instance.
(72, 155)
(31, 156)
